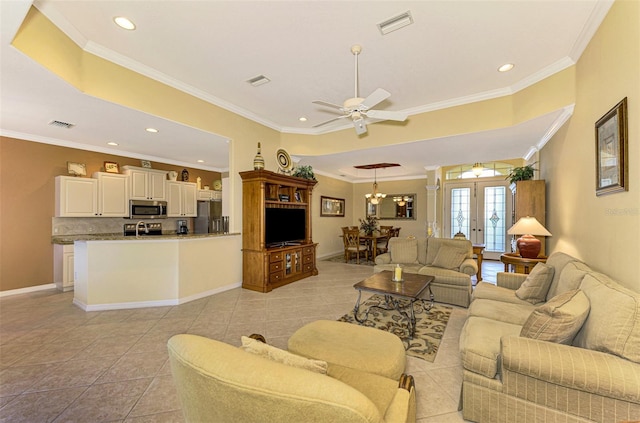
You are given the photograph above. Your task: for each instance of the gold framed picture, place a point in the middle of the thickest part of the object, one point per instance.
(146, 164)
(111, 167)
(612, 157)
(332, 207)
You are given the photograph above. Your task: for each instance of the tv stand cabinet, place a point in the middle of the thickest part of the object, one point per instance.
(265, 268)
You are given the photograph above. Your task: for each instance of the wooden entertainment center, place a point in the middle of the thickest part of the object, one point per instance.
(267, 267)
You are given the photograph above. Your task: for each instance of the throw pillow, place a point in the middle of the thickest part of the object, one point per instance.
(558, 320)
(449, 257)
(284, 357)
(534, 289)
(404, 251)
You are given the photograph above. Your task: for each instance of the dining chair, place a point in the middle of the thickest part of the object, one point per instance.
(382, 244)
(351, 238)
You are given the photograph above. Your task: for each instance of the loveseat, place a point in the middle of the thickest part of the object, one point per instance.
(450, 261)
(567, 351)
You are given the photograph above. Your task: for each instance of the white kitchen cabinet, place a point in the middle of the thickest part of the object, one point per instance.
(182, 199)
(146, 184)
(209, 195)
(63, 270)
(113, 194)
(76, 196)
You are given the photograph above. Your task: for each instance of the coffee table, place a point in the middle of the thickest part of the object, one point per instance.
(410, 289)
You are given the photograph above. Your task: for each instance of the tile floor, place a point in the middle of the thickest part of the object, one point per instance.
(61, 364)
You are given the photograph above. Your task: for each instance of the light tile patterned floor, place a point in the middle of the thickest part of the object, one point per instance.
(59, 363)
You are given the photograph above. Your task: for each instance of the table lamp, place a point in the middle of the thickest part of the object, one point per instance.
(528, 245)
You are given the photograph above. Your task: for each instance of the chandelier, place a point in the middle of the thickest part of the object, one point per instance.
(477, 169)
(401, 201)
(375, 197)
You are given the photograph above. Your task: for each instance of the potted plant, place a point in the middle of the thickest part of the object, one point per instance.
(522, 173)
(305, 172)
(369, 225)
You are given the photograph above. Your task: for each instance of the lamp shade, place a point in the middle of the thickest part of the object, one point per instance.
(528, 245)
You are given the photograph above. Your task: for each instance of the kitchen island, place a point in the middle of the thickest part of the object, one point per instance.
(117, 272)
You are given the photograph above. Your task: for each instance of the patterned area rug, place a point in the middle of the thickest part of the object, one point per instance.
(340, 259)
(430, 325)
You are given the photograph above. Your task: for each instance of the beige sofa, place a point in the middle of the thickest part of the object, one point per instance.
(450, 261)
(512, 375)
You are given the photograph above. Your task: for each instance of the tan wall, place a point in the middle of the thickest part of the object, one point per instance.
(27, 171)
(603, 231)
(326, 230)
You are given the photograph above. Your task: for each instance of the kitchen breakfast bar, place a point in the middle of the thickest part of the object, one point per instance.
(118, 272)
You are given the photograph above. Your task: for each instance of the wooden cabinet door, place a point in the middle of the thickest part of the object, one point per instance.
(113, 195)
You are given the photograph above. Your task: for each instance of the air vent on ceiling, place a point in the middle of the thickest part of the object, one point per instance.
(62, 124)
(395, 23)
(256, 81)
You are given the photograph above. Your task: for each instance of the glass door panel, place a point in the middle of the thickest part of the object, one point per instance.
(479, 210)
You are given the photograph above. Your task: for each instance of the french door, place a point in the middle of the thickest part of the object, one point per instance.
(481, 210)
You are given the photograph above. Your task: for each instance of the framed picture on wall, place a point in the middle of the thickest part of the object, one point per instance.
(612, 173)
(331, 207)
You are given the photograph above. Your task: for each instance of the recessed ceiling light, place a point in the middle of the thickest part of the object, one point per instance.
(506, 67)
(112, 143)
(152, 130)
(124, 23)
(200, 161)
(302, 119)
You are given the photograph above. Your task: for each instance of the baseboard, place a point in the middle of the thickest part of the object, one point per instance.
(27, 290)
(159, 303)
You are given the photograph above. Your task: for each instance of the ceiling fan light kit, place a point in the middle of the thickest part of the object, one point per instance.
(358, 108)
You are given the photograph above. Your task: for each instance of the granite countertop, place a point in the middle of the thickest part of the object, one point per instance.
(70, 239)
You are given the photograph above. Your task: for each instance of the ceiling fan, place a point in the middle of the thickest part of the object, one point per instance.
(358, 108)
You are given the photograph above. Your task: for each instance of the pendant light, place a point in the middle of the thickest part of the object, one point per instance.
(375, 197)
(477, 169)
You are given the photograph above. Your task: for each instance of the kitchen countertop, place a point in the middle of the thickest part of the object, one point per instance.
(70, 239)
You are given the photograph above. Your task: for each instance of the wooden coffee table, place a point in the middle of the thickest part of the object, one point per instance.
(410, 289)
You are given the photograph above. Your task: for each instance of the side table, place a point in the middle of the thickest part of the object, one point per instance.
(478, 250)
(520, 263)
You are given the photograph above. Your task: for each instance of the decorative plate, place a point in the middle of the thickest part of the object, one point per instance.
(284, 160)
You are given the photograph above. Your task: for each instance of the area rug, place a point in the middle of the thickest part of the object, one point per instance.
(340, 259)
(430, 325)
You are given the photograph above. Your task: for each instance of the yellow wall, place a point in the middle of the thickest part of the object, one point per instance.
(603, 231)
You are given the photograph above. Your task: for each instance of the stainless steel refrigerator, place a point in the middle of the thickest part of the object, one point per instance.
(210, 219)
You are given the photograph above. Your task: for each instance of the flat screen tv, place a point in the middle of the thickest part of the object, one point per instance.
(284, 226)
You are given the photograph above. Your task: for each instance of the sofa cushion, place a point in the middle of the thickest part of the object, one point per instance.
(507, 312)
(489, 291)
(558, 261)
(449, 257)
(422, 250)
(613, 325)
(559, 319)
(280, 356)
(534, 288)
(570, 278)
(480, 344)
(449, 277)
(403, 250)
(434, 245)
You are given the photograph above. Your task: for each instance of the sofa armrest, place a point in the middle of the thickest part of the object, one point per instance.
(469, 267)
(383, 258)
(571, 367)
(402, 408)
(510, 280)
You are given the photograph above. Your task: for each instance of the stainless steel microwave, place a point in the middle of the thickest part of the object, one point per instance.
(143, 209)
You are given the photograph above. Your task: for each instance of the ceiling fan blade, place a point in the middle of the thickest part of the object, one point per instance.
(386, 115)
(374, 98)
(327, 104)
(330, 120)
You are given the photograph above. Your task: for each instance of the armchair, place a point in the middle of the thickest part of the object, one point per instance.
(218, 382)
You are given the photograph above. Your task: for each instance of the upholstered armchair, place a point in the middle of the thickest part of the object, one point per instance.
(218, 382)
